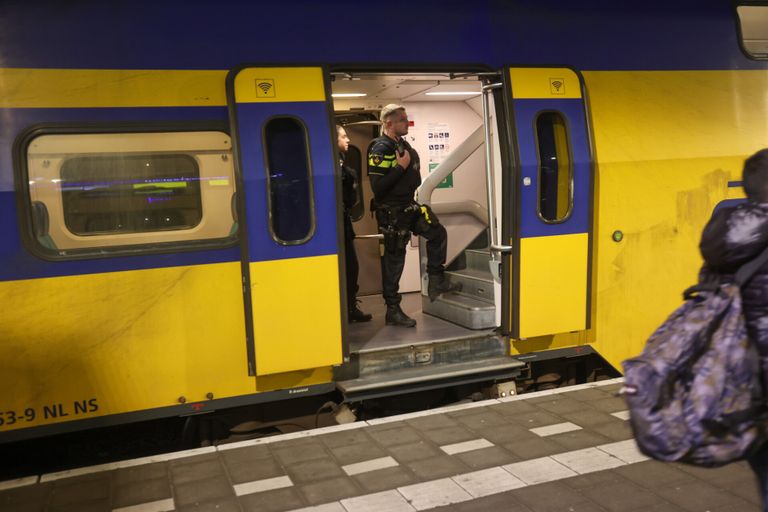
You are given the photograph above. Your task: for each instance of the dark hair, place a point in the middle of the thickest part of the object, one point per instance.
(755, 177)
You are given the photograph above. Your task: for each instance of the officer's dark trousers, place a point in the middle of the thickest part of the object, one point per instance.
(393, 261)
(353, 268)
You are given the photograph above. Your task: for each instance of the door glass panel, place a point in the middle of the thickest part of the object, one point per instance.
(555, 167)
(289, 181)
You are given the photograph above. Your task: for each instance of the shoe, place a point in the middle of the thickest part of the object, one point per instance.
(355, 315)
(439, 284)
(395, 316)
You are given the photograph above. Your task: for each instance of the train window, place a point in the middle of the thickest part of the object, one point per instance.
(355, 161)
(291, 211)
(95, 193)
(130, 193)
(753, 21)
(555, 167)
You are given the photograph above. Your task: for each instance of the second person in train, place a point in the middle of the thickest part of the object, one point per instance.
(349, 198)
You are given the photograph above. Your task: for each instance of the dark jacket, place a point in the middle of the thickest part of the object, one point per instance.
(348, 186)
(391, 184)
(734, 236)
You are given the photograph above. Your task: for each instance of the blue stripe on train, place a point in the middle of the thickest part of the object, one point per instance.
(17, 263)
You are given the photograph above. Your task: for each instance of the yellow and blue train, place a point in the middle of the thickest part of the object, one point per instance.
(171, 233)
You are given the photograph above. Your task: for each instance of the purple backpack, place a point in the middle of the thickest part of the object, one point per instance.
(695, 394)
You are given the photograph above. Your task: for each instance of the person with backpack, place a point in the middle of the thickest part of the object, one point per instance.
(732, 237)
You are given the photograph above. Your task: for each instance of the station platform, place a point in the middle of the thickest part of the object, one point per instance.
(568, 449)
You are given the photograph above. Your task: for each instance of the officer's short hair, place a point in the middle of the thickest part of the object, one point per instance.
(389, 110)
(755, 177)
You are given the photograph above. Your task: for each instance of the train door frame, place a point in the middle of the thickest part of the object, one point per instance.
(487, 76)
(538, 85)
(304, 96)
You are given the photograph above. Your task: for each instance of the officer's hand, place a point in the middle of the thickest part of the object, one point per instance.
(403, 160)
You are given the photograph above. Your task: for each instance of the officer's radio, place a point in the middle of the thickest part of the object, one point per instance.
(400, 148)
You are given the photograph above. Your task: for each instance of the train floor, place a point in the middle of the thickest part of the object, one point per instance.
(375, 335)
(568, 449)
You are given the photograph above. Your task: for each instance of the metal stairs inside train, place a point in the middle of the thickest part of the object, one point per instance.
(473, 307)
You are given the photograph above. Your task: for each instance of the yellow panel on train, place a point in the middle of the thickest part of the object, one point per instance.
(553, 287)
(75, 338)
(271, 85)
(530, 83)
(91, 88)
(660, 190)
(287, 338)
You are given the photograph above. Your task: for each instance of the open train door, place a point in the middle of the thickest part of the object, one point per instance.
(549, 220)
(287, 213)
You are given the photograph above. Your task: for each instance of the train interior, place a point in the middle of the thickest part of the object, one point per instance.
(447, 128)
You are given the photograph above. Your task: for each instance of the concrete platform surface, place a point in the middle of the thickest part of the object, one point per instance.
(568, 449)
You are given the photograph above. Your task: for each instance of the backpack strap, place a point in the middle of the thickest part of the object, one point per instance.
(692, 291)
(746, 271)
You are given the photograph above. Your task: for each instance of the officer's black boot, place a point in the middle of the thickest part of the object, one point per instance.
(355, 315)
(395, 316)
(438, 284)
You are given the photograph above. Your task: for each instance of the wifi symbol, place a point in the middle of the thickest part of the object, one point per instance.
(266, 85)
(557, 85)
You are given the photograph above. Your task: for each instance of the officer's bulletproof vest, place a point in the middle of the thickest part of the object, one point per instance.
(402, 192)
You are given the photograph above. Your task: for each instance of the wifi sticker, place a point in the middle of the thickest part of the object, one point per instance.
(265, 88)
(556, 86)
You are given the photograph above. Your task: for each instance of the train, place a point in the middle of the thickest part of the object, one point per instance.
(171, 236)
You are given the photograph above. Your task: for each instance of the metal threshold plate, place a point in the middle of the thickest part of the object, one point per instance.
(413, 376)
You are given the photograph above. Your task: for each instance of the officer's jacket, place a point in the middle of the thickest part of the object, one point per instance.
(391, 184)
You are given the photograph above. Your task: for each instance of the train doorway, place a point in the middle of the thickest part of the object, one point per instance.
(457, 339)
(506, 166)
(447, 129)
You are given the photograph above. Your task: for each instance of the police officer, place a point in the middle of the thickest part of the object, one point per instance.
(349, 198)
(393, 167)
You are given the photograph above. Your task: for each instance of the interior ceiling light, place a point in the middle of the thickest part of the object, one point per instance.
(453, 93)
(348, 94)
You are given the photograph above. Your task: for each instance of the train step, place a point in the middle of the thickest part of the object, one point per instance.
(385, 360)
(478, 259)
(432, 376)
(473, 307)
(475, 283)
(465, 310)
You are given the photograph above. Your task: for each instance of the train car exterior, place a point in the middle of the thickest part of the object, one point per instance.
(153, 262)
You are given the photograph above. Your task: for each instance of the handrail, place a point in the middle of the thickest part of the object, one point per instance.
(471, 207)
(447, 166)
(501, 248)
(489, 178)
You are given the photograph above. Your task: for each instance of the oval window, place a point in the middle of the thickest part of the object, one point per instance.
(555, 167)
(289, 181)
